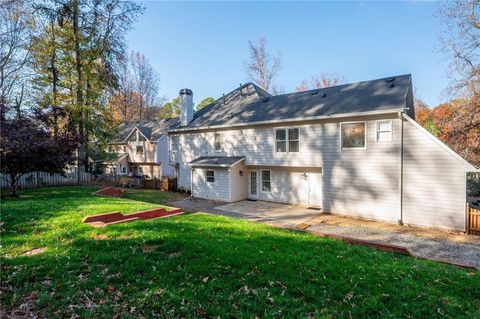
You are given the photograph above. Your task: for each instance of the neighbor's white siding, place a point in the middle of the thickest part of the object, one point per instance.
(361, 183)
(238, 184)
(162, 156)
(218, 190)
(434, 182)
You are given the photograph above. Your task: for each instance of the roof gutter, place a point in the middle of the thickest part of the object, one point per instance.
(292, 120)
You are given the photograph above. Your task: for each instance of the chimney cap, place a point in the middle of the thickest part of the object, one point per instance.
(186, 91)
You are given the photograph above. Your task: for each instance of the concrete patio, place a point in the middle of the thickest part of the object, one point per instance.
(277, 214)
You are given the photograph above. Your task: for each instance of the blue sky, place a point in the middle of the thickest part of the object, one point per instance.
(202, 45)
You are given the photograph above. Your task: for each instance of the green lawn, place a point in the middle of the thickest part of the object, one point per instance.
(206, 266)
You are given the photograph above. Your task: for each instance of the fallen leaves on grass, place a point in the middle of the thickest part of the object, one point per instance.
(148, 248)
(35, 251)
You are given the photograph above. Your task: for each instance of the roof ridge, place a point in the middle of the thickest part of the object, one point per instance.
(345, 84)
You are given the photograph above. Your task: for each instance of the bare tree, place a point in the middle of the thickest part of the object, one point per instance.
(146, 83)
(322, 80)
(460, 39)
(15, 39)
(261, 66)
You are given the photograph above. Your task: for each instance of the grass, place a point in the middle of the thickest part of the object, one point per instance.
(204, 266)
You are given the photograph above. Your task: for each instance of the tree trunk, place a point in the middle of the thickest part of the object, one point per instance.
(13, 185)
(53, 62)
(78, 62)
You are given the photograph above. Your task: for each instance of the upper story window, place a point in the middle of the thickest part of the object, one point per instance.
(353, 135)
(384, 131)
(174, 143)
(210, 176)
(124, 170)
(287, 140)
(217, 144)
(139, 149)
(124, 149)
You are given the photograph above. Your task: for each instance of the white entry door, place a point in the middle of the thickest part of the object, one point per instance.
(253, 185)
(315, 189)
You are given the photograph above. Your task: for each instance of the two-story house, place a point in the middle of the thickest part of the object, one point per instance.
(352, 149)
(142, 149)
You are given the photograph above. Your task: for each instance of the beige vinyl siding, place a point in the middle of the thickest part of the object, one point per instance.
(286, 187)
(434, 182)
(238, 183)
(358, 182)
(218, 190)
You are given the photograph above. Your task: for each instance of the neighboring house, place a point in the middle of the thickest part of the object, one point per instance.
(142, 149)
(352, 149)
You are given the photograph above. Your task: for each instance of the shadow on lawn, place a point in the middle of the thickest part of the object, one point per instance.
(208, 266)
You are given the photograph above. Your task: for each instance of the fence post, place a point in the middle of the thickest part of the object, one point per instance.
(467, 220)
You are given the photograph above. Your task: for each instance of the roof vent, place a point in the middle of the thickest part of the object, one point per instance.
(392, 85)
(324, 94)
(315, 92)
(390, 80)
(266, 99)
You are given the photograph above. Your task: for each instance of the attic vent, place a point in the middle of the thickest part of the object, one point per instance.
(314, 92)
(390, 80)
(266, 99)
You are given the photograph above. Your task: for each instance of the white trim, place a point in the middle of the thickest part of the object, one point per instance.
(291, 120)
(365, 134)
(261, 180)
(377, 130)
(133, 129)
(443, 145)
(216, 165)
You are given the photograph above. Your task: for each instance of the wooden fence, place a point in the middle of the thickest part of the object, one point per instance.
(42, 179)
(473, 220)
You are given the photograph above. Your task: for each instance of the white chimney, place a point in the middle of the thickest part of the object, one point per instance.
(186, 100)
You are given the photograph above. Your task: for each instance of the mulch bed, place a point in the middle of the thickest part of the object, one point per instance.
(110, 192)
(103, 220)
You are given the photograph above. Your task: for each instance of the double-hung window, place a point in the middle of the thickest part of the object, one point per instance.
(384, 131)
(266, 182)
(217, 144)
(287, 140)
(210, 176)
(139, 149)
(353, 135)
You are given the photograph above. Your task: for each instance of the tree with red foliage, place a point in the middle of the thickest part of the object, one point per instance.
(27, 146)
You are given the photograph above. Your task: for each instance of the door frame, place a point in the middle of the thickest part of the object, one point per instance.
(257, 180)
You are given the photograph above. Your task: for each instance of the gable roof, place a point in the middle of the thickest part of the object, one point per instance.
(152, 130)
(374, 96)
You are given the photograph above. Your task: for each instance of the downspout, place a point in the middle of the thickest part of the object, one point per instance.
(191, 181)
(400, 221)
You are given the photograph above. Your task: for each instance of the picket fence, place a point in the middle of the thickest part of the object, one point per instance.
(43, 179)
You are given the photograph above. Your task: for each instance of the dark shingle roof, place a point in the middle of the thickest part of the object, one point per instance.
(152, 130)
(216, 161)
(238, 98)
(369, 96)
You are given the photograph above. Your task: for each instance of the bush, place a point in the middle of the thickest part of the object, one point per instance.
(473, 184)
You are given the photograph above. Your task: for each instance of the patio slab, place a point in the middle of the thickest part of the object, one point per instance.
(271, 213)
